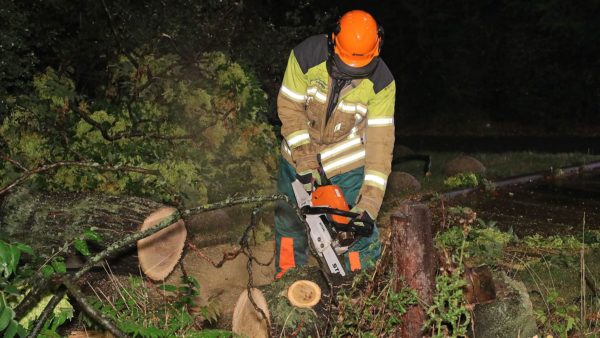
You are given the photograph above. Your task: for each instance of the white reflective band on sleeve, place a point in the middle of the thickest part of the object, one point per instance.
(347, 108)
(327, 153)
(344, 160)
(297, 139)
(375, 179)
(352, 108)
(388, 121)
(292, 95)
(313, 91)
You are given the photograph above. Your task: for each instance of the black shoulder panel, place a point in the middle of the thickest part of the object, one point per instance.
(311, 52)
(381, 77)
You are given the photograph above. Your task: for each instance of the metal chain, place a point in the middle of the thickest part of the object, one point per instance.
(248, 251)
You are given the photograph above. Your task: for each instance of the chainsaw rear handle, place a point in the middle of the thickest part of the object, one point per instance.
(366, 230)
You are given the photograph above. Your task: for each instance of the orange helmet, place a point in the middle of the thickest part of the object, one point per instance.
(357, 38)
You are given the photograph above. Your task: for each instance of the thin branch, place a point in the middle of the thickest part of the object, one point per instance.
(95, 165)
(39, 323)
(96, 315)
(14, 162)
(125, 134)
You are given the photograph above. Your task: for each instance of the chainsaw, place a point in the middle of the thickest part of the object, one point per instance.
(329, 218)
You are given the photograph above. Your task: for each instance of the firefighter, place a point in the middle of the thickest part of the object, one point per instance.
(336, 105)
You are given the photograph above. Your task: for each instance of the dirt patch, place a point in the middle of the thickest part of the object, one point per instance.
(550, 208)
(226, 283)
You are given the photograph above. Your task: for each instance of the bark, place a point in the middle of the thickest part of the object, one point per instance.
(413, 257)
(46, 221)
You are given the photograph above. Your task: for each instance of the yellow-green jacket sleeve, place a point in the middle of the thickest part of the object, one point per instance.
(379, 144)
(291, 108)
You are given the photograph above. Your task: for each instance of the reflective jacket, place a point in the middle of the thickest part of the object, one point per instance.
(359, 132)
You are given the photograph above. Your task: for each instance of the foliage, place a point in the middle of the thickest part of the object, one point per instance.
(462, 180)
(448, 316)
(10, 284)
(14, 274)
(195, 129)
(135, 311)
(559, 317)
(566, 242)
(376, 314)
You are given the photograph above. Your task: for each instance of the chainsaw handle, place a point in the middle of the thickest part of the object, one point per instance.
(327, 210)
(367, 230)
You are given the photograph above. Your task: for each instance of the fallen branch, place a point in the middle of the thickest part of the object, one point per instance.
(47, 167)
(39, 287)
(39, 324)
(97, 316)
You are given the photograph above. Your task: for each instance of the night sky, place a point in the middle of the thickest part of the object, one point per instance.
(491, 67)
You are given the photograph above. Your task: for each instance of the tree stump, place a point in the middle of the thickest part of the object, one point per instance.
(284, 319)
(413, 257)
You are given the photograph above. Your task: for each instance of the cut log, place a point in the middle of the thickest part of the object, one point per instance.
(159, 254)
(247, 320)
(304, 294)
(413, 258)
(310, 319)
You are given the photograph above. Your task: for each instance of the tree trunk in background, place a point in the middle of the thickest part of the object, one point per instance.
(46, 221)
(413, 258)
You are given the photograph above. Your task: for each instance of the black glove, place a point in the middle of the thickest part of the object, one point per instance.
(308, 179)
(363, 223)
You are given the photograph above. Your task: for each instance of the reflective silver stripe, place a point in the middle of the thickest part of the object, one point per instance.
(361, 109)
(344, 161)
(294, 140)
(313, 91)
(386, 121)
(374, 178)
(327, 153)
(292, 95)
(347, 108)
(352, 108)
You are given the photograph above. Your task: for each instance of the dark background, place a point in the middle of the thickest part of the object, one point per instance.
(473, 67)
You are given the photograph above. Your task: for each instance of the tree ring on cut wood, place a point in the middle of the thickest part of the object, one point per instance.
(246, 320)
(304, 294)
(159, 253)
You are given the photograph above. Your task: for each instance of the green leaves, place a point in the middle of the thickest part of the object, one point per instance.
(203, 134)
(448, 313)
(10, 256)
(56, 266)
(81, 247)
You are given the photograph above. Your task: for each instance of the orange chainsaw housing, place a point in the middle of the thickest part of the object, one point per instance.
(331, 196)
